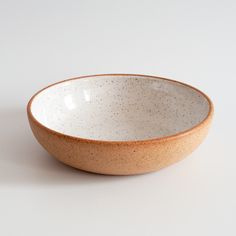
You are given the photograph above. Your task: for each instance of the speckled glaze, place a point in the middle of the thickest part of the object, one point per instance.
(119, 124)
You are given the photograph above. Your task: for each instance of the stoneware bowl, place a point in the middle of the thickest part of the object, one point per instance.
(119, 124)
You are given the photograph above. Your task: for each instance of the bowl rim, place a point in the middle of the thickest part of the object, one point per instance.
(128, 142)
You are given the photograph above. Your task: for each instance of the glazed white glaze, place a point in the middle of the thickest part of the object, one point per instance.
(119, 107)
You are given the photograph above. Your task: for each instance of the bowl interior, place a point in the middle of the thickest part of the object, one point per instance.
(119, 107)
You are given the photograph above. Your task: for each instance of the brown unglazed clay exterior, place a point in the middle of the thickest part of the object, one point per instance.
(117, 158)
(120, 157)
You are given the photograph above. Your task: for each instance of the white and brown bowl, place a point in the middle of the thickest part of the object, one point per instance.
(119, 124)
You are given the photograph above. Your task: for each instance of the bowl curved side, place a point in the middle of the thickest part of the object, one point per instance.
(123, 158)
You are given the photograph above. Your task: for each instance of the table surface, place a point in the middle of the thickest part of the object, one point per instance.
(42, 42)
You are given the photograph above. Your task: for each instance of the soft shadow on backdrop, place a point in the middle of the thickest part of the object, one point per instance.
(23, 161)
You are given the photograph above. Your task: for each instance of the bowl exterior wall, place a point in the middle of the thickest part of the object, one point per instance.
(119, 158)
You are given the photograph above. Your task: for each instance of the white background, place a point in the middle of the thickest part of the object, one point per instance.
(42, 42)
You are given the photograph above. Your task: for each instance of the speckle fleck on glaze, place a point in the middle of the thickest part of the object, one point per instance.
(119, 108)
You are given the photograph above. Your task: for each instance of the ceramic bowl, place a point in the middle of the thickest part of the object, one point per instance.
(119, 124)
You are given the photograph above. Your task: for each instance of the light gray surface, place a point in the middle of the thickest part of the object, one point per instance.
(42, 42)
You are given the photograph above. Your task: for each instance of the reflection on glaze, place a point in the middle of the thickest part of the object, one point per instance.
(86, 93)
(68, 100)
